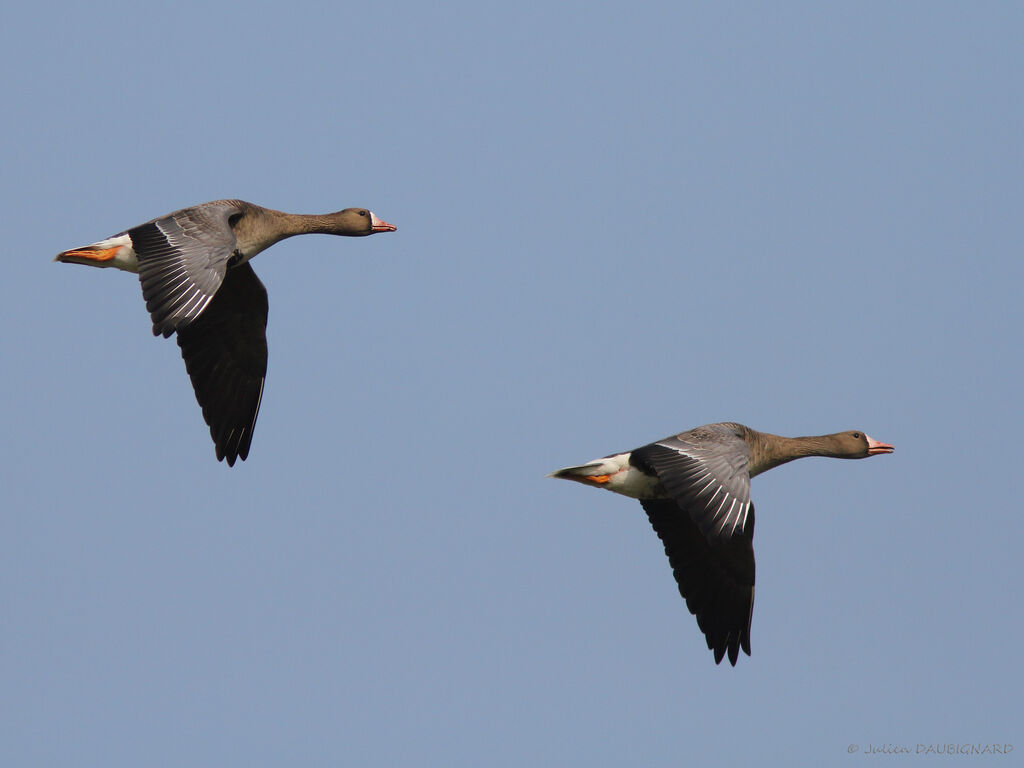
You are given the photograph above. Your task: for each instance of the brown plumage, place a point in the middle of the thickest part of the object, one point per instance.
(196, 280)
(695, 488)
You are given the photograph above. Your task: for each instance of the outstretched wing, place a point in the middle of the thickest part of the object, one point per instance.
(716, 579)
(225, 353)
(707, 527)
(183, 258)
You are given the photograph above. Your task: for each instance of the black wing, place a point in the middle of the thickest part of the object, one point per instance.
(225, 353)
(707, 528)
(715, 578)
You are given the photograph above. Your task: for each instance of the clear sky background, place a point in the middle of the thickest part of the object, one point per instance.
(615, 221)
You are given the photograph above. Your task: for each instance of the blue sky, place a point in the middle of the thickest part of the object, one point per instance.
(614, 223)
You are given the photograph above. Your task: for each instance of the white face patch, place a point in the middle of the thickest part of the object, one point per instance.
(374, 221)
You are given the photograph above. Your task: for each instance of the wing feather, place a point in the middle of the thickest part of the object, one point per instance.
(183, 259)
(225, 353)
(707, 527)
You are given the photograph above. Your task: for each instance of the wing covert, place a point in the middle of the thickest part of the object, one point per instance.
(711, 483)
(183, 259)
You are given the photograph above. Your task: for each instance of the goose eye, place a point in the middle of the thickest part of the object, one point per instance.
(856, 434)
(362, 213)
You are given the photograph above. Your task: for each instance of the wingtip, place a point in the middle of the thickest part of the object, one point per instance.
(162, 329)
(229, 457)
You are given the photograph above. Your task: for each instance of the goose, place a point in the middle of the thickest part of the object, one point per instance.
(197, 282)
(695, 488)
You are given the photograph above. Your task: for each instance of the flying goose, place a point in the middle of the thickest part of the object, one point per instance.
(197, 282)
(695, 488)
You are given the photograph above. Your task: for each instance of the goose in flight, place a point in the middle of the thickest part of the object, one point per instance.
(197, 282)
(695, 488)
